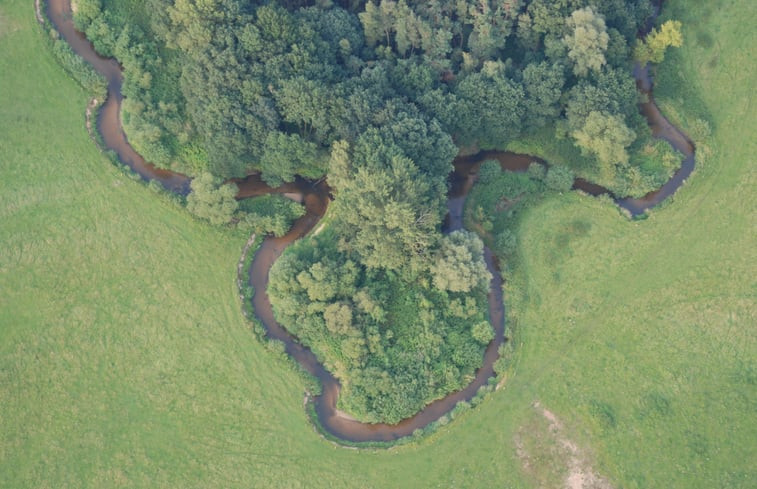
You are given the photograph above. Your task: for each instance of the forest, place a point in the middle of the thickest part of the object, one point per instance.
(379, 98)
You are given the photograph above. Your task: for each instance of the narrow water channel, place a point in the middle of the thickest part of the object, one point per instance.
(315, 197)
(109, 120)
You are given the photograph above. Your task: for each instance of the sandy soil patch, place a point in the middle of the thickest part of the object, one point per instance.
(7, 26)
(551, 458)
(344, 415)
(295, 196)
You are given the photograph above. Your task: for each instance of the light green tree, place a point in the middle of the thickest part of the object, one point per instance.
(652, 48)
(212, 200)
(606, 136)
(587, 40)
(459, 265)
(338, 317)
(482, 332)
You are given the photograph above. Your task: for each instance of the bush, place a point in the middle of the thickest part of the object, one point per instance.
(277, 347)
(505, 352)
(482, 332)
(459, 408)
(155, 186)
(699, 130)
(537, 171)
(80, 70)
(505, 243)
(489, 170)
(270, 214)
(559, 178)
(211, 200)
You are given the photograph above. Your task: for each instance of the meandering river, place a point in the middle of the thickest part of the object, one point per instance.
(315, 197)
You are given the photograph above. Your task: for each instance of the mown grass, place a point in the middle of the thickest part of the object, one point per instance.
(125, 362)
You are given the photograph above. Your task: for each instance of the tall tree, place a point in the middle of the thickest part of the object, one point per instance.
(607, 137)
(458, 265)
(287, 155)
(212, 200)
(543, 83)
(587, 40)
(489, 107)
(387, 209)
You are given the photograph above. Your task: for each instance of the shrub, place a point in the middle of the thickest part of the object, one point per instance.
(537, 171)
(505, 243)
(80, 70)
(211, 200)
(482, 332)
(559, 178)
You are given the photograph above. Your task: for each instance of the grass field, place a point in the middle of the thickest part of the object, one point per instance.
(125, 362)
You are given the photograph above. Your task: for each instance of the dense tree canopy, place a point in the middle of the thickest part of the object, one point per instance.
(236, 86)
(377, 96)
(394, 344)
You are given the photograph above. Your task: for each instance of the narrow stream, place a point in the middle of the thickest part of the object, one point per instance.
(108, 120)
(315, 197)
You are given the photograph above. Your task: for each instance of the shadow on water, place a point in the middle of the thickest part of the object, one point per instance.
(316, 197)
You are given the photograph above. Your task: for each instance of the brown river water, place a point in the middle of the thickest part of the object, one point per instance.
(315, 196)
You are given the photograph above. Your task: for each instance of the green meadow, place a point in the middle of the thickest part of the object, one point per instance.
(125, 360)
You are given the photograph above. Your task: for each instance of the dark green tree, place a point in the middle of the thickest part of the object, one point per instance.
(287, 155)
(489, 107)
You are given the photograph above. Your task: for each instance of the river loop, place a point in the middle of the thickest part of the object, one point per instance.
(315, 197)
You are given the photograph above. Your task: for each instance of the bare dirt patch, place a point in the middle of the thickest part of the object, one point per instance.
(91, 106)
(344, 415)
(552, 459)
(7, 26)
